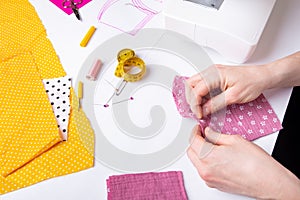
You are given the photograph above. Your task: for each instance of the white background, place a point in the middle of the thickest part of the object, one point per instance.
(280, 38)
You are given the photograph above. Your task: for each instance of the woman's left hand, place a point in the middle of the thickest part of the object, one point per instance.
(232, 164)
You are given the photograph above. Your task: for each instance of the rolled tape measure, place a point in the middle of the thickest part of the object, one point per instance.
(125, 54)
(127, 61)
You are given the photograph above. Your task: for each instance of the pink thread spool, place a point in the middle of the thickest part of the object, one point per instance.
(94, 71)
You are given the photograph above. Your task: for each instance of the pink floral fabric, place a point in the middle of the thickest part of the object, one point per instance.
(250, 120)
(151, 185)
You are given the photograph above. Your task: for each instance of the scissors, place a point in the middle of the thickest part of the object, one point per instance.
(73, 5)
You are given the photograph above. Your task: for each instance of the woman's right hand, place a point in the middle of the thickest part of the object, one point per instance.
(236, 84)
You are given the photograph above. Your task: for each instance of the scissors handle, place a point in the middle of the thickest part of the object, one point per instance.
(75, 11)
(73, 5)
(76, 2)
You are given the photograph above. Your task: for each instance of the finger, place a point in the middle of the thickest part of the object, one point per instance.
(218, 102)
(199, 86)
(211, 77)
(201, 147)
(218, 138)
(197, 130)
(206, 80)
(197, 142)
(200, 90)
(193, 80)
(214, 104)
(195, 98)
(207, 85)
(195, 93)
(194, 158)
(212, 136)
(188, 92)
(195, 105)
(205, 99)
(197, 110)
(191, 100)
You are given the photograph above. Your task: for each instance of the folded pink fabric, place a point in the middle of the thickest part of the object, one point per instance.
(250, 120)
(150, 186)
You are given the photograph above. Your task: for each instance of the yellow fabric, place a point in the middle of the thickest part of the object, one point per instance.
(31, 149)
(25, 107)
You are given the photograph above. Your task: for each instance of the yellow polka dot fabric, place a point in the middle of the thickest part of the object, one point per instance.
(31, 149)
(20, 91)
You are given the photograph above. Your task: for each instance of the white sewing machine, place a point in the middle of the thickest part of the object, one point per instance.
(231, 27)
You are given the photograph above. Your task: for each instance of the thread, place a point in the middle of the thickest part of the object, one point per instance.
(80, 93)
(94, 70)
(80, 90)
(87, 36)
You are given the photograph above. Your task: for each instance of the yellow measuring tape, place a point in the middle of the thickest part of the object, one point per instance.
(127, 61)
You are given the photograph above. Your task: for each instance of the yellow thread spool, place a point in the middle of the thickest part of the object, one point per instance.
(88, 36)
(80, 93)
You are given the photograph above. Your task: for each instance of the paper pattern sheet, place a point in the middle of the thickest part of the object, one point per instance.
(134, 16)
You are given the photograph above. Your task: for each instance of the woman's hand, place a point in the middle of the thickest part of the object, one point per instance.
(232, 164)
(235, 84)
(239, 84)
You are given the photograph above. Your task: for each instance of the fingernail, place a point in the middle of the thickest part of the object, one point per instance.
(211, 135)
(196, 109)
(199, 115)
(207, 129)
(205, 111)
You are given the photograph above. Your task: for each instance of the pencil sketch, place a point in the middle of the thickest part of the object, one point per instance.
(134, 16)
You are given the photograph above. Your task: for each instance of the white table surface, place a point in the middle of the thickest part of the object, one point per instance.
(280, 38)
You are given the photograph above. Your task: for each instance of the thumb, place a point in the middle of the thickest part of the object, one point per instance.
(218, 102)
(199, 86)
(217, 138)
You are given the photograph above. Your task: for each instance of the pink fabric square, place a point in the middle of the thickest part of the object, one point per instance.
(68, 11)
(151, 185)
(250, 120)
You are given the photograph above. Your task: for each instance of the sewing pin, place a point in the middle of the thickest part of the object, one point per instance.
(121, 87)
(131, 98)
(107, 105)
(118, 89)
(111, 85)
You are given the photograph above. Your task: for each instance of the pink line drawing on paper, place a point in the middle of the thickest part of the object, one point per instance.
(128, 16)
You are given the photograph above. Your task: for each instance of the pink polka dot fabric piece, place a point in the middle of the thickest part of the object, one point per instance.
(251, 120)
(151, 185)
